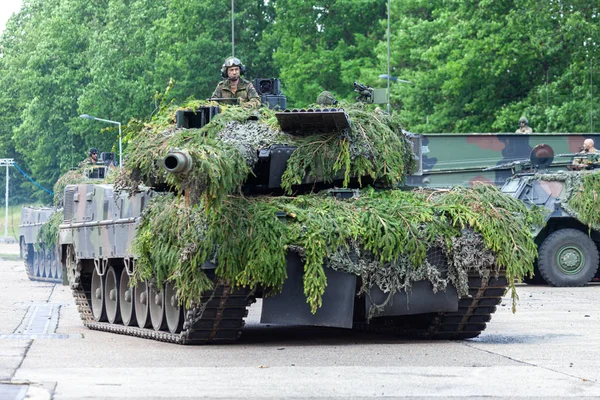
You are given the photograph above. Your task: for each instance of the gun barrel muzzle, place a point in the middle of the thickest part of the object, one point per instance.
(178, 162)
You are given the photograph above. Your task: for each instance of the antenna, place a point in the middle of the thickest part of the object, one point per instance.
(232, 31)
(388, 57)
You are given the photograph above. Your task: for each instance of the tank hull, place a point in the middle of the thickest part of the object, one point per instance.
(95, 244)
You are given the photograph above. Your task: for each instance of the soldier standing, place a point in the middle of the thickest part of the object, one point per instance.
(235, 87)
(524, 126)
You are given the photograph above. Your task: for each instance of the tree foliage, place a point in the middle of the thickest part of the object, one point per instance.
(475, 65)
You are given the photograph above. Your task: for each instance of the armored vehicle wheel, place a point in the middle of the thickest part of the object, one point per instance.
(111, 295)
(126, 294)
(22, 248)
(173, 310)
(568, 257)
(36, 264)
(157, 309)
(59, 270)
(97, 295)
(142, 311)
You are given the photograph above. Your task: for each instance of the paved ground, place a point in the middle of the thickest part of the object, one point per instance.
(550, 348)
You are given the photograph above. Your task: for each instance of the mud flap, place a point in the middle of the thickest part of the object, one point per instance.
(290, 306)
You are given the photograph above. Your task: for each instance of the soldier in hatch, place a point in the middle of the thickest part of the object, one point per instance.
(589, 155)
(524, 126)
(93, 157)
(235, 87)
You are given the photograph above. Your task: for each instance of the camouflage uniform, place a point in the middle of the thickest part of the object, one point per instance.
(524, 129)
(246, 93)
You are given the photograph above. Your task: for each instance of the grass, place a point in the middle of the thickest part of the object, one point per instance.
(14, 219)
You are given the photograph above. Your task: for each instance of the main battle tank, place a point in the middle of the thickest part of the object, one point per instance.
(41, 263)
(38, 230)
(218, 206)
(568, 240)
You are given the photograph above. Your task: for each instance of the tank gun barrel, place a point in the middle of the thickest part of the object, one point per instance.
(178, 162)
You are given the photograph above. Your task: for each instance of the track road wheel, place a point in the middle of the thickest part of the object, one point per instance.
(142, 311)
(157, 309)
(568, 257)
(126, 295)
(111, 295)
(47, 265)
(37, 264)
(97, 295)
(173, 310)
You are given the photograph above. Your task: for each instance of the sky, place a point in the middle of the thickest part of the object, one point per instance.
(7, 8)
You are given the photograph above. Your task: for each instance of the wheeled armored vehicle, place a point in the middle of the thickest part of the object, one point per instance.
(568, 241)
(222, 206)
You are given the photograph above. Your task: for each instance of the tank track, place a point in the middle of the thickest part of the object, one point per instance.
(467, 322)
(29, 269)
(218, 318)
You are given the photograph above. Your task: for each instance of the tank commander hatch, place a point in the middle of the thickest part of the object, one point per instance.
(524, 126)
(234, 86)
(583, 161)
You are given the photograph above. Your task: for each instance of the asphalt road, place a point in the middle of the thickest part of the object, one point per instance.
(549, 348)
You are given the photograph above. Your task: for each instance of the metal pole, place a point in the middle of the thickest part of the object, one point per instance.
(120, 149)
(388, 57)
(7, 162)
(6, 202)
(232, 31)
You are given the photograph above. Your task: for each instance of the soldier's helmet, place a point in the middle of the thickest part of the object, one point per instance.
(92, 151)
(326, 98)
(232, 62)
(523, 119)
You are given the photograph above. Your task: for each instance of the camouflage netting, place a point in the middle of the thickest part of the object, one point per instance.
(580, 197)
(382, 236)
(224, 152)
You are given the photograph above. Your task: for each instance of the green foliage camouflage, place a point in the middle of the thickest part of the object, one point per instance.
(48, 234)
(224, 151)
(383, 236)
(585, 202)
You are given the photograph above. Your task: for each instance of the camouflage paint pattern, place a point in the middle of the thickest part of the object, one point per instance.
(32, 219)
(460, 159)
(97, 225)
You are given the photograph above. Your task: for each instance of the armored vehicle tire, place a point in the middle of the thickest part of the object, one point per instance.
(97, 295)
(568, 257)
(126, 306)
